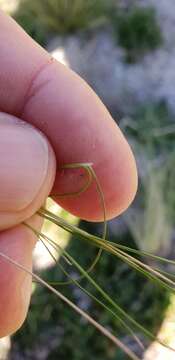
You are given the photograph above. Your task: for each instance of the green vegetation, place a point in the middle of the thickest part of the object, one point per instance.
(152, 127)
(43, 17)
(152, 135)
(137, 31)
(71, 336)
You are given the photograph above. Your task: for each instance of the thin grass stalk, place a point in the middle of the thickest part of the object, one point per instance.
(106, 246)
(121, 322)
(91, 175)
(81, 312)
(105, 295)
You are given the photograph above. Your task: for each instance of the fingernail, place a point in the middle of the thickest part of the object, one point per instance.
(70, 181)
(23, 163)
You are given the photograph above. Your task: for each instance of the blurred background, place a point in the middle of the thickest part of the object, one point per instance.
(125, 49)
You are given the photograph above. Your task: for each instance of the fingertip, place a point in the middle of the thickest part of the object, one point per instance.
(115, 168)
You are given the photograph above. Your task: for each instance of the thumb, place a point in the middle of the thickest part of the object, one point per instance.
(27, 170)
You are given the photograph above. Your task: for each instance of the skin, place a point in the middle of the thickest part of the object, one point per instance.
(76, 127)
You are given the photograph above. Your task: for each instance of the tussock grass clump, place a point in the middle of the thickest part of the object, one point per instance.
(137, 31)
(42, 17)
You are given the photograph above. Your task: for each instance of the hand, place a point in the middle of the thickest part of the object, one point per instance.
(49, 97)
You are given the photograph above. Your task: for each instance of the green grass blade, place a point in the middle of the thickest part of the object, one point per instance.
(122, 312)
(98, 242)
(81, 312)
(91, 176)
(121, 322)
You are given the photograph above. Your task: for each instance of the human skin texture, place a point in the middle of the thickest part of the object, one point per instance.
(49, 117)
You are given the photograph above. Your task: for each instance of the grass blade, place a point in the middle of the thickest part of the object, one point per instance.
(81, 312)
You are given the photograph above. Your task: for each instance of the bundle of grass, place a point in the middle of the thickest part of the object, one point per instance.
(101, 297)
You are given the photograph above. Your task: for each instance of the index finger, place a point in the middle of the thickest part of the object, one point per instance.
(38, 89)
